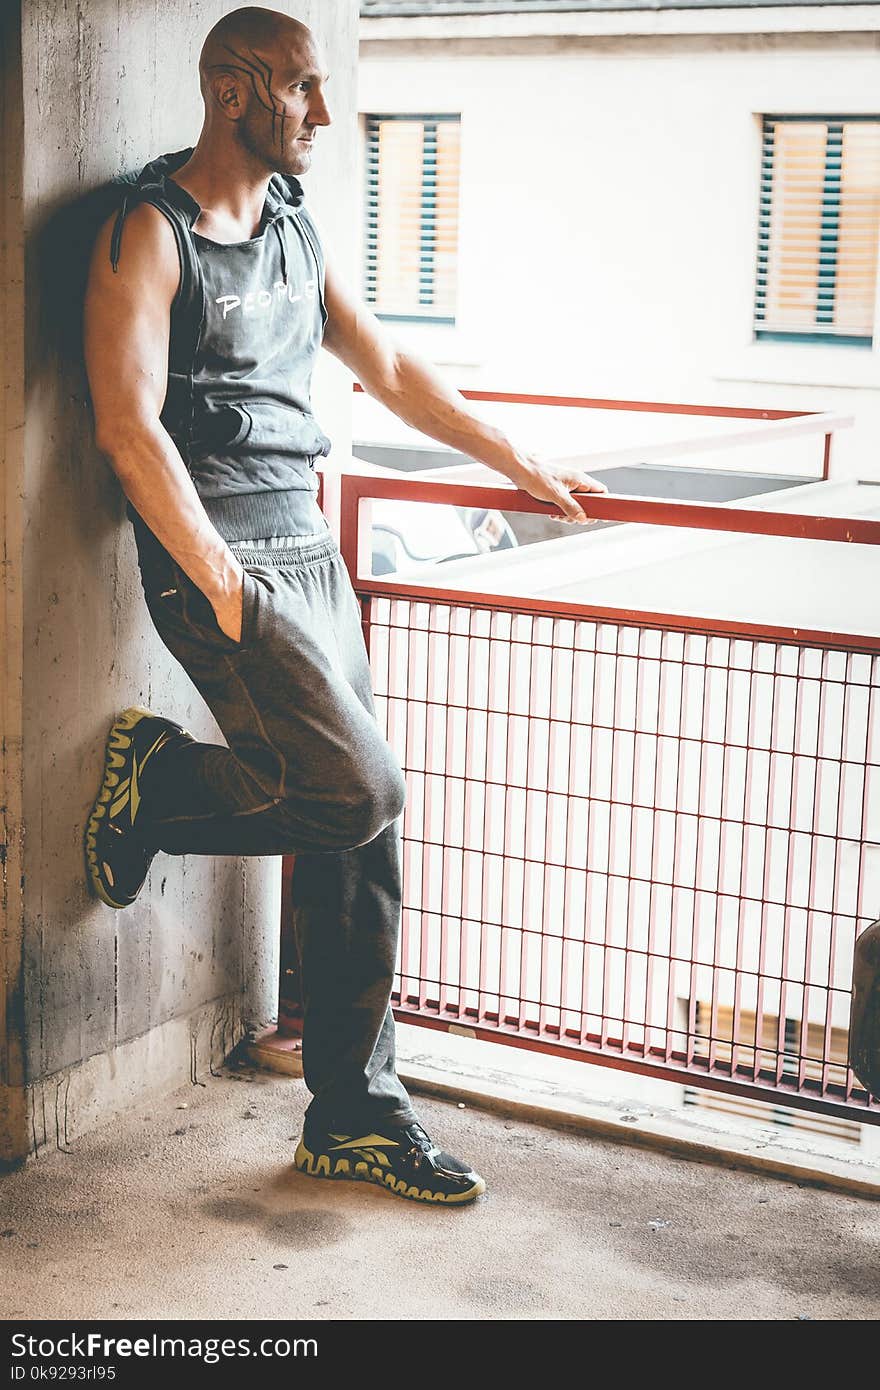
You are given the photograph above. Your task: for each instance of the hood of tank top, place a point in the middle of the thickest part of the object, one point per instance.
(283, 195)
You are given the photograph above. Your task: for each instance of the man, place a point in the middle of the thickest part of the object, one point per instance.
(209, 296)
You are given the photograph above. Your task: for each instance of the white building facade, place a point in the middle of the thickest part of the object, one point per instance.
(610, 191)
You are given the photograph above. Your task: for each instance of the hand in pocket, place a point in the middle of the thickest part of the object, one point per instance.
(229, 610)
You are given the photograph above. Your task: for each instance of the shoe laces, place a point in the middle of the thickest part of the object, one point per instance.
(419, 1138)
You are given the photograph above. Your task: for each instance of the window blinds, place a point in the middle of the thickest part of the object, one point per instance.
(818, 228)
(783, 1045)
(412, 216)
(793, 1037)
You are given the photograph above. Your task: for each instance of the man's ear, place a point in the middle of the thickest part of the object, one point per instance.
(225, 88)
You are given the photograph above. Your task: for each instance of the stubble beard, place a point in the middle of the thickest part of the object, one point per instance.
(274, 157)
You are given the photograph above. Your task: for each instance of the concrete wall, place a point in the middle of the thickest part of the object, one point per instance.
(101, 1006)
(609, 202)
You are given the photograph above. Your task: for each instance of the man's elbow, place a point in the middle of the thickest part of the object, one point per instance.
(375, 356)
(121, 436)
(107, 433)
(386, 379)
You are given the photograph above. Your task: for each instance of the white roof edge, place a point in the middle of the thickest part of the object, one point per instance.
(788, 19)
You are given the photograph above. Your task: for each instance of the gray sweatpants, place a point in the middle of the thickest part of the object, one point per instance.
(307, 772)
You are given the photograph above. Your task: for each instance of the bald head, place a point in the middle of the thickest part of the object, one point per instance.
(262, 75)
(251, 32)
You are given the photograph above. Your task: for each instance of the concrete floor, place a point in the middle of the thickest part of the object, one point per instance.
(190, 1209)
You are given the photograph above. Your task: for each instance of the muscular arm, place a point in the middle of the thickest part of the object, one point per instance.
(127, 325)
(414, 391)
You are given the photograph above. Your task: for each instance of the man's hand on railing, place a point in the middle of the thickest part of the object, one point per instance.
(551, 482)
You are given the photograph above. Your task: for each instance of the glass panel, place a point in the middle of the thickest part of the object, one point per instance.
(857, 245)
(446, 242)
(397, 232)
(798, 181)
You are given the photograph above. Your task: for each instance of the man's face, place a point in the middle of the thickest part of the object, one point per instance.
(285, 106)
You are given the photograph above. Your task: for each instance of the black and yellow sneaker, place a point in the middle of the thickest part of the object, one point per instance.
(405, 1160)
(117, 859)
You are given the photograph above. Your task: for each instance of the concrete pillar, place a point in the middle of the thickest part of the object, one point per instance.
(100, 1007)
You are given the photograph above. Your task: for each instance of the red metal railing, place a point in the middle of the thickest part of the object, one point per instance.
(640, 839)
(778, 424)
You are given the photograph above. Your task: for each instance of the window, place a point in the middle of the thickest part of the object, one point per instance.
(412, 216)
(785, 1046)
(818, 229)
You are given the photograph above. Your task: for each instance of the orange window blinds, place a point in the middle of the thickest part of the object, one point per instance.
(819, 229)
(412, 166)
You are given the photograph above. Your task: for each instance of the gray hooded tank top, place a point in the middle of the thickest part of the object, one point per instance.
(246, 326)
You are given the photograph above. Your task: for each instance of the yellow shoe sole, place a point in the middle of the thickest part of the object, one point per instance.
(319, 1166)
(118, 741)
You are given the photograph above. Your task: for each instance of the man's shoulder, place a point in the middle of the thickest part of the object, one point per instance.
(147, 229)
(141, 251)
